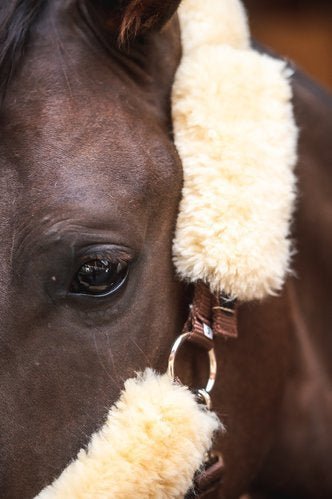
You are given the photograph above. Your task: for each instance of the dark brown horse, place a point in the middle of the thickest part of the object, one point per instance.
(90, 181)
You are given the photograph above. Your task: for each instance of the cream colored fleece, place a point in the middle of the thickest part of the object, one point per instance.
(235, 133)
(153, 441)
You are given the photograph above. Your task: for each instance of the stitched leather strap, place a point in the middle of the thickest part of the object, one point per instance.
(199, 323)
(224, 313)
(209, 479)
(210, 314)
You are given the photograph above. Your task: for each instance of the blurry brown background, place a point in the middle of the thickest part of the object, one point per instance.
(301, 30)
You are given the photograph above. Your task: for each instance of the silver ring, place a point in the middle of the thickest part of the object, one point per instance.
(171, 362)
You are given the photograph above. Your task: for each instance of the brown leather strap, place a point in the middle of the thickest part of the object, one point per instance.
(199, 324)
(208, 479)
(210, 314)
(224, 317)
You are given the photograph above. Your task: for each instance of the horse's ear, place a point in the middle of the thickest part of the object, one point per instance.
(127, 19)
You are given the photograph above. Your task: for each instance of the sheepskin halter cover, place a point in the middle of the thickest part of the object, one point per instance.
(148, 448)
(235, 133)
(236, 136)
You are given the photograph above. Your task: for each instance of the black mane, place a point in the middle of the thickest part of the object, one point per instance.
(16, 19)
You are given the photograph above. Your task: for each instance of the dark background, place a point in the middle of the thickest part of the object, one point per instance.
(300, 30)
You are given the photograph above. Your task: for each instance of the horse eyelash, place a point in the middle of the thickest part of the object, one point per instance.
(115, 257)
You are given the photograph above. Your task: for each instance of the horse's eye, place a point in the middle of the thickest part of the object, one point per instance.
(99, 277)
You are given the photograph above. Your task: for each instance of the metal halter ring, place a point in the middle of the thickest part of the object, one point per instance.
(171, 362)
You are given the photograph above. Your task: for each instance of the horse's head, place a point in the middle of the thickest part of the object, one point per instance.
(90, 185)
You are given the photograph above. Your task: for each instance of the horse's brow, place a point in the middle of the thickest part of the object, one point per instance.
(70, 233)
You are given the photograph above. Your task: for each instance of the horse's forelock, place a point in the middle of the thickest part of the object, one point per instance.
(16, 20)
(124, 21)
(140, 16)
(132, 21)
(143, 16)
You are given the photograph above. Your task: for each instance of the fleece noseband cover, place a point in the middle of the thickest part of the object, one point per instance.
(235, 133)
(152, 442)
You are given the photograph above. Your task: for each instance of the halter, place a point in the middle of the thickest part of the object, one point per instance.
(235, 133)
(210, 315)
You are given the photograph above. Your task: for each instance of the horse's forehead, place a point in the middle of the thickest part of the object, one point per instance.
(76, 150)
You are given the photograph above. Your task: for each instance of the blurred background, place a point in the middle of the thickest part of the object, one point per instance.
(300, 30)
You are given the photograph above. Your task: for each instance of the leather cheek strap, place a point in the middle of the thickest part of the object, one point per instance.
(210, 316)
(207, 480)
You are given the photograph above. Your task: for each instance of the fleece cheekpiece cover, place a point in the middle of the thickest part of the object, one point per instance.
(235, 133)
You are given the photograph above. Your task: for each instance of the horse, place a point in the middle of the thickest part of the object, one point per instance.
(90, 183)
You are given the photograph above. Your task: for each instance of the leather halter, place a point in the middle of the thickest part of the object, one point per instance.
(210, 316)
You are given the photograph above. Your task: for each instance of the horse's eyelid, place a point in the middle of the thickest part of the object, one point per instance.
(116, 257)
